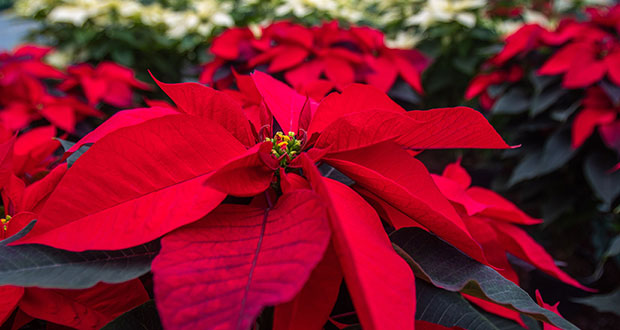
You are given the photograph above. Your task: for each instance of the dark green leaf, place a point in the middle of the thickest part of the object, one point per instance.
(19, 235)
(612, 91)
(506, 324)
(447, 308)
(446, 267)
(562, 115)
(144, 316)
(541, 82)
(614, 248)
(74, 156)
(606, 184)
(513, 102)
(47, 267)
(545, 99)
(123, 56)
(555, 153)
(497, 89)
(402, 91)
(603, 302)
(332, 173)
(490, 50)
(466, 65)
(66, 145)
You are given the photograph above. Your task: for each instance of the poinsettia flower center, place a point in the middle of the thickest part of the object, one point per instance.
(5, 222)
(285, 147)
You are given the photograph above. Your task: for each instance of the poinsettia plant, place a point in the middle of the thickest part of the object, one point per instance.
(264, 197)
(558, 91)
(32, 90)
(316, 60)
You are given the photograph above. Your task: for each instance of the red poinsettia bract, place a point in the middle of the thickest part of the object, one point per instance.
(325, 57)
(583, 52)
(598, 111)
(107, 82)
(586, 54)
(31, 90)
(290, 235)
(81, 309)
(492, 220)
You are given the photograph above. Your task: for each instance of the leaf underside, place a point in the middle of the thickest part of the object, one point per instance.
(445, 267)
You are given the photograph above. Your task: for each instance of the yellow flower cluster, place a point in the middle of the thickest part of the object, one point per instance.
(285, 147)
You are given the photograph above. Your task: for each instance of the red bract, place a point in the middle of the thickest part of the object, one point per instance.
(107, 82)
(28, 156)
(491, 219)
(81, 309)
(307, 55)
(553, 308)
(598, 111)
(32, 90)
(586, 54)
(25, 62)
(169, 176)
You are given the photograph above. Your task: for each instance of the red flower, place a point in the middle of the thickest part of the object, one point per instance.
(62, 111)
(169, 176)
(553, 308)
(491, 219)
(585, 62)
(82, 309)
(598, 111)
(520, 42)
(480, 84)
(27, 96)
(108, 82)
(305, 55)
(26, 62)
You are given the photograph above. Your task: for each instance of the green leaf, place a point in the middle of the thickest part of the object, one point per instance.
(447, 308)
(77, 154)
(123, 56)
(19, 235)
(144, 316)
(506, 324)
(542, 101)
(555, 153)
(614, 248)
(445, 267)
(603, 302)
(466, 65)
(496, 90)
(402, 91)
(541, 82)
(563, 114)
(66, 145)
(606, 185)
(612, 91)
(47, 267)
(515, 101)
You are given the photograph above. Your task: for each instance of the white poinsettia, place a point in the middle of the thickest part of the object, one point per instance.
(404, 40)
(507, 27)
(446, 11)
(201, 16)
